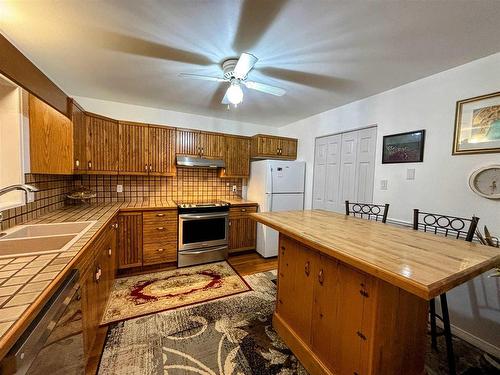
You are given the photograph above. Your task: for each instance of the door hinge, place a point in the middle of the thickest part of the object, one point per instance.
(364, 293)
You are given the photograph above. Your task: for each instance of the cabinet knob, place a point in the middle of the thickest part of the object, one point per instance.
(307, 268)
(77, 162)
(160, 250)
(321, 277)
(89, 164)
(150, 167)
(110, 252)
(146, 167)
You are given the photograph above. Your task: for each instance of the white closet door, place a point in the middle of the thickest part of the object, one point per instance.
(319, 173)
(367, 140)
(348, 162)
(333, 172)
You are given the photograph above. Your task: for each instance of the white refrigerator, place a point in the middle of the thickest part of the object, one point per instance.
(276, 186)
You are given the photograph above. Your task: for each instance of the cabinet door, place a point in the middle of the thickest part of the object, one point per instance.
(350, 342)
(242, 229)
(79, 138)
(161, 151)
(102, 145)
(325, 321)
(90, 307)
(133, 146)
(297, 272)
(268, 146)
(236, 157)
(288, 148)
(188, 142)
(160, 237)
(129, 240)
(51, 139)
(211, 145)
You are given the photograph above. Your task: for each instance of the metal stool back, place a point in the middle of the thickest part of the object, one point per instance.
(367, 210)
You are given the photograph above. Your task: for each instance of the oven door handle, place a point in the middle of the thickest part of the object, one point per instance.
(204, 216)
(203, 251)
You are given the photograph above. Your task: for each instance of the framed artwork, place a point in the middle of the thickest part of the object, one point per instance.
(477, 125)
(403, 147)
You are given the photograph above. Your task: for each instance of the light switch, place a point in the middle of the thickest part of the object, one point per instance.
(119, 188)
(383, 184)
(410, 174)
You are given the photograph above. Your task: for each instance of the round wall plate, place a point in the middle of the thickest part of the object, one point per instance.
(486, 181)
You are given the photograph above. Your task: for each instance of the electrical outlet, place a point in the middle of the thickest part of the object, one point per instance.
(383, 184)
(119, 188)
(234, 188)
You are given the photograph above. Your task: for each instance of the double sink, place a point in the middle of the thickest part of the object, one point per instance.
(39, 239)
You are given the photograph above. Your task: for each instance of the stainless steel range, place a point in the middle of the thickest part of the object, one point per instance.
(203, 233)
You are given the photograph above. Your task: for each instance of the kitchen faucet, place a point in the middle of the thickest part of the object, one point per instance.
(24, 187)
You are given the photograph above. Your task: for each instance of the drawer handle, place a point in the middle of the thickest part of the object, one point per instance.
(89, 164)
(160, 250)
(110, 252)
(243, 210)
(146, 167)
(160, 215)
(307, 268)
(160, 228)
(321, 277)
(282, 250)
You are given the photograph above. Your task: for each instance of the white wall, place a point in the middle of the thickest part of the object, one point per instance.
(441, 182)
(130, 112)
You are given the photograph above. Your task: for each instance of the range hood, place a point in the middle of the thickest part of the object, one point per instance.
(196, 162)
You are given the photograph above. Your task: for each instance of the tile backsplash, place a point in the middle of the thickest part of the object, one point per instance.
(52, 195)
(189, 185)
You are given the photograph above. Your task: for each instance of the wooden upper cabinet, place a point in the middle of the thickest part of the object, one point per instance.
(236, 157)
(161, 151)
(200, 144)
(187, 142)
(102, 145)
(51, 139)
(78, 117)
(133, 148)
(272, 147)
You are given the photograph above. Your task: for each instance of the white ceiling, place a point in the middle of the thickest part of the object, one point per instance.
(324, 53)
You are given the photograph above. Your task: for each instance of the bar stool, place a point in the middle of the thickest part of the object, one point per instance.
(445, 225)
(367, 210)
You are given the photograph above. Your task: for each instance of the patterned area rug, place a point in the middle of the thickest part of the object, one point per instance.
(231, 336)
(136, 296)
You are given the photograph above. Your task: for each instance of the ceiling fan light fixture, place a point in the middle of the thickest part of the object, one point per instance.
(235, 94)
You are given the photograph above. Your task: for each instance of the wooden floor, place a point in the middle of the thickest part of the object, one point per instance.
(252, 262)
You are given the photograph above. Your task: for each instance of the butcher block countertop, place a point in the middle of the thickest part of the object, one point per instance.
(421, 263)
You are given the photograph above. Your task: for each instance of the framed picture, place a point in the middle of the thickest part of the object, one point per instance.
(477, 125)
(403, 147)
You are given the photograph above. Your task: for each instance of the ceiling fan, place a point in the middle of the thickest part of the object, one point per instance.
(236, 74)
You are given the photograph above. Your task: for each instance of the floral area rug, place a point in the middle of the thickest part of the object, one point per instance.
(135, 296)
(233, 336)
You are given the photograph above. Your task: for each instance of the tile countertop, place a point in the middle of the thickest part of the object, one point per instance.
(24, 280)
(240, 202)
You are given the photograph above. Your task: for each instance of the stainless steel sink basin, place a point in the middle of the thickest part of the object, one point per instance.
(41, 239)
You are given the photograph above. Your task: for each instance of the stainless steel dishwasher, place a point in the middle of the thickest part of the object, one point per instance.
(53, 343)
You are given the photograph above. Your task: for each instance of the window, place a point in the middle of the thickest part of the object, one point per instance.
(11, 142)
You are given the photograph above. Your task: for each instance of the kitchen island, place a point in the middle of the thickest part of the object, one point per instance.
(353, 294)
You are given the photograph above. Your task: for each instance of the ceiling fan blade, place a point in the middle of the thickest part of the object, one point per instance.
(142, 47)
(245, 63)
(204, 78)
(255, 18)
(262, 87)
(318, 81)
(217, 94)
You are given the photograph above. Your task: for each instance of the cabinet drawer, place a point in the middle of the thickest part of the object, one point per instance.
(160, 251)
(159, 217)
(241, 211)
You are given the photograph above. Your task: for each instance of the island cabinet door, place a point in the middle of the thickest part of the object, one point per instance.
(297, 272)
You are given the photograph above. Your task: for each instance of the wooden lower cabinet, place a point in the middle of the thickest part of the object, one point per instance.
(242, 228)
(129, 240)
(96, 281)
(159, 237)
(339, 320)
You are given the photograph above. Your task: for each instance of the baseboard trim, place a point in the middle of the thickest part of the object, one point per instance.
(473, 340)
